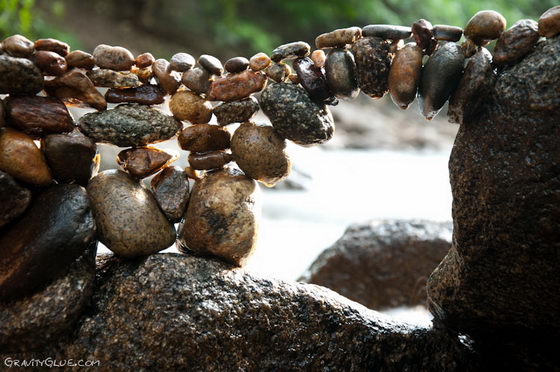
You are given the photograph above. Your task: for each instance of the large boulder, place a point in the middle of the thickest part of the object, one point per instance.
(383, 264)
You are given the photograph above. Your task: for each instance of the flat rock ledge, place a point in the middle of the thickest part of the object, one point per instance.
(175, 312)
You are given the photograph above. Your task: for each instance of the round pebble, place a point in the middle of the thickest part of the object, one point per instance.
(113, 57)
(50, 63)
(278, 71)
(181, 62)
(80, 59)
(209, 160)
(319, 58)
(211, 64)
(484, 26)
(144, 60)
(236, 64)
(204, 138)
(53, 45)
(341, 74)
(197, 80)
(18, 46)
(171, 190)
(549, 22)
(142, 162)
(185, 105)
(404, 75)
(259, 62)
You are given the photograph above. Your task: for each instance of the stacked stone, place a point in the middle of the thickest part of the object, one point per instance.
(47, 160)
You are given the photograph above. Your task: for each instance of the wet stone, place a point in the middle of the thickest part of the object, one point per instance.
(319, 58)
(295, 116)
(38, 116)
(19, 76)
(278, 71)
(56, 229)
(18, 46)
(473, 89)
(341, 74)
(144, 74)
(516, 42)
(80, 59)
(144, 60)
(209, 160)
(234, 87)
(389, 32)
(169, 80)
(549, 22)
(181, 62)
(142, 162)
(14, 199)
(469, 48)
(447, 33)
(197, 80)
(53, 45)
(211, 64)
(185, 105)
(484, 26)
(236, 64)
(260, 153)
(297, 49)
(113, 79)
(76, 88)
(373, 62)
(22, 159)
(129, 221)
(204, 138)
(338, 38)
(171, 189)
(236, 111)
(440, 76)
(129, 125)
(422, 33)
(50, 63)
(222, 217)
(405, 74)
(313, 80)
(72, 157)
(113, 58)
(259, 62)
(145, 95)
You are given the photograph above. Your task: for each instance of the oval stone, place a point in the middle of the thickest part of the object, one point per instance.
(373, 62)
(297, 49)
(295, 116)
(236, 64)
(18, 46)
(211, 64)
(390, 32)
(14, 199)
(171, 189)
(278, 71)
(204, 138)
(113, 79)
(313, 80)
(197, 80)
(53, 45)
(447, 33)
(222, 217)
(233, 87)
(19, 76)
(56, 229)
(144, 60)
(440, 77)
(145, 95)
(319, 58)
(129, 125)
(484, 26)
(259, 62)
(38, 116)
(260, 153)
(50, 63)
(142, 162)
(338, 38)
(209, 160)
(340, 70)
(129, 221)
(185, 105)
(404, 75)
(113, 58)
(80, 59)
(181, 62)
(236, 111)
(549, 22)
(516, 42)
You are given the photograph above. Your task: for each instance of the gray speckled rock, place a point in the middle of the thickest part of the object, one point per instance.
(113, 79)
(373, 62)
(236, 111)
(295, 116)
(129, 125)
(383, 264)
(129, 221)
(19, 76)
(14, 199)
(43, 318)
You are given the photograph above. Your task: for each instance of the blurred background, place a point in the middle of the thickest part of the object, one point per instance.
(382, 162)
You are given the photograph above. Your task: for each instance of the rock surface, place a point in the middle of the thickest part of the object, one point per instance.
(14, 199)
(236, 111)
(373, 63)
(172, 190)
(113, 79)
(19, 76)
(383, 264)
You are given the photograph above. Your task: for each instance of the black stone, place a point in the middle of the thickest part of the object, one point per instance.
(14, 199)
(313, 80)
(389, 32)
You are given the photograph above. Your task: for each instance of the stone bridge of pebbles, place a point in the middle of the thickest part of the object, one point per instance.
(495, 297)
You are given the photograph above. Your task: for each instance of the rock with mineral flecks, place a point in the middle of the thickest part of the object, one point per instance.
(19, 76)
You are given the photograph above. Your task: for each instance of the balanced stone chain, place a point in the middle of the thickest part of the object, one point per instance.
(219, 217)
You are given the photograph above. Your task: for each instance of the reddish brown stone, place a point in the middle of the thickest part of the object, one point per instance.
(142, 162)
(516, 42)
(204, 138)
(549, 22)
(484, 26)
(50, 63)
(80, 59)
(422, 32)
(236, 86)
(404, 75)
(53, 45)
(75, 87)
(169, 80)
(338, 38)
(209, 160)
(18, 46)
(38, 116)
(144, 60)
(259, 62)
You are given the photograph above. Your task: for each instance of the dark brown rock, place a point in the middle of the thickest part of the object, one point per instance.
(447, 33)
(18, 46)
(50, 63)
(236, 64)
(236, 111)
(297, 49)
(373, 63)
(474, 89)
(38, 116)
(222, 217)
(185, 105)
(56, 229)
(129, 221)
(80, 59)
(14, 199)
(197, 80)
(19, 76)
(113, 57)
(53, 45)
(234, 87)
(260, 153)
(142, 162)
(22, 159)
(484, 26)
(383, 264)
(209, 160)
(295, 116)
(259, 62)
(144, 60)
(423, 35)
(171, 189)
(338, 38)
(71, 157)
(145, 95)
(204, 138)
(341, 73)
(211, 64)
(113, 79)
(549, 22)
(390, 32)
(76, 88)
(405, 74)
(516, 42)
(168, 79)
(181, 62)
(313, 80)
